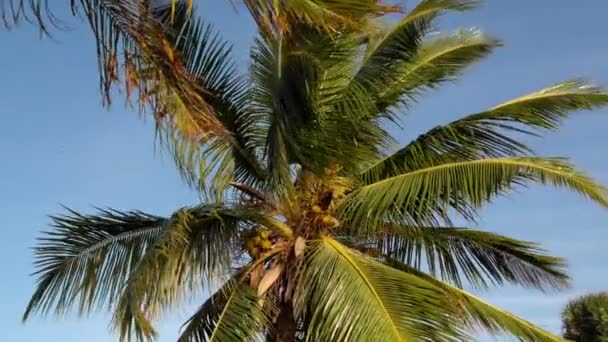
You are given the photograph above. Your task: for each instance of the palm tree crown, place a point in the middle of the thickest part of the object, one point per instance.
(315, 225)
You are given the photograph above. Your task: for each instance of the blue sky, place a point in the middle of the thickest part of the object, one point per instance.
(59, 147)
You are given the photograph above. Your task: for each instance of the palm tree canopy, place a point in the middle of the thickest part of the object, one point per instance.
(316, 225)
(586, 318)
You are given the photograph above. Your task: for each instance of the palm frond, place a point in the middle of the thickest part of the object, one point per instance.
(399, 45)
(422, 197)
(177, 69)
(478, 315)
(405, 304)
(486, 134)
(85, 260)
(482, 258)
(195, 250)
(352, 297)
(265, 73)
(329, 16)
(233, 313)
(112, 259)
(438, 60)
(235, 156)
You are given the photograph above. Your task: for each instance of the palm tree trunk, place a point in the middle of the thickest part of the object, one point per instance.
(286, 324)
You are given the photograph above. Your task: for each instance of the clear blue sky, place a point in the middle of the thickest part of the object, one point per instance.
(59, 147)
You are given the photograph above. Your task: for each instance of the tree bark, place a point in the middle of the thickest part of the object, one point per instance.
(286, 324)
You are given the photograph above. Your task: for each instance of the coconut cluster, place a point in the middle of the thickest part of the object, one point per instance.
(258, 242)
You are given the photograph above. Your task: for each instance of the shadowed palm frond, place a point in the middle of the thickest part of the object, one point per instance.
(234, 156)
(177, 69)
(481, 258)
(486, 134)
(85, 260)
(195, 251)
(112, 258)
(478, 315)
(298, 83)
(422, 197)
(265, 80)
(233, 313)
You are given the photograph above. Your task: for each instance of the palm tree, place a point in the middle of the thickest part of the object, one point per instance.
(314, 225)
(585, 319)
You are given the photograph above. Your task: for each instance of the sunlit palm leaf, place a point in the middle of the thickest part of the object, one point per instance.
(439, 60)
(477, 314)
(481, 258)
(417, 197)
(399, 46)
(330, 16)
(233, 313)
(353, 297)
(486, 134)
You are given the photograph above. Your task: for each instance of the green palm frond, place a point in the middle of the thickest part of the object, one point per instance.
(84, 260)
(423, 196)
(406, 304)
(233, 313)
(318, 230)
(298, 82)
(399, 45)
(486, 134)
(477, 314)
(482, 258)
(332, 16)
(90, 261)
(177, 69)
(234, 156)
(353, 297)
(195, 250)
(328, 15)
(265, 74)
(438, 60)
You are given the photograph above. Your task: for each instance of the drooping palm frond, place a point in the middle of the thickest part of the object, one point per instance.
(486, 134)
(177, 69)
(111, 260)
(233, 313)
(342, 290)
(195, 252)
(482, 258)
(234, 156)
(438, 60)
(84, 260)
(477, 314)
(423, 196)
